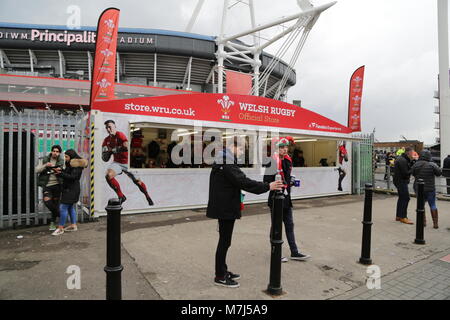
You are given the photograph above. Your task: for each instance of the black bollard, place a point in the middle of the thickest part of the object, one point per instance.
(420, 212)
(113, 267)
(274, 287)
(367, 226)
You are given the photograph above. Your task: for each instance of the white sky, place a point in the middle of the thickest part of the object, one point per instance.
(395, 39)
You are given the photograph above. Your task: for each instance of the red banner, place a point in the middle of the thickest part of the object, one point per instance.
(102, 83)
(238, 82)
(354, 100)
(239, 109)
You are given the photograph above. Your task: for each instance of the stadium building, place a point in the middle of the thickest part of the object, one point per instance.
(49, 59)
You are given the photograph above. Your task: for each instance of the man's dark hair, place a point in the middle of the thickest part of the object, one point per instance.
(408, 149)
(109, 121)
(56, 147)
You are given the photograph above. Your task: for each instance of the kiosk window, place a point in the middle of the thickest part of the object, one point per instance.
(314, 153)
(153, 147)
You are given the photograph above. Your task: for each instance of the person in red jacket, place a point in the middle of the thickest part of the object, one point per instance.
(116, 144)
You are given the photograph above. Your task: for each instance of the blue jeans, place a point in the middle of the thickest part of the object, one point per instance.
(430, 197)
(403, 199)
(289, 229)
(65, 210)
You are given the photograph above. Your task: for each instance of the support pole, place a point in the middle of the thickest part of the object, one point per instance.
(274, 287)
(420, 212)
(444, 89)
(367, 226)
(114, 266)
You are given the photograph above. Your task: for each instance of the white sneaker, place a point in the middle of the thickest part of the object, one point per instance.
(58, 232)
(70, 228)
(284, 259)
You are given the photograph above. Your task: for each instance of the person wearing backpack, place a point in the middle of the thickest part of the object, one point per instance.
(425, 169)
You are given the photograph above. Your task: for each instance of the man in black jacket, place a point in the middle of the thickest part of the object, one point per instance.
(402, 173)
(446, 172)
(281, 163)
(51, 183)
(225, 184)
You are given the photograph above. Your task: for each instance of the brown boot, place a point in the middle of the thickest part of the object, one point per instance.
(434, 216)
(406, 220)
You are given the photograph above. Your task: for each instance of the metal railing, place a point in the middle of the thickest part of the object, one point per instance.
(25, 138)
(362, 164)
(383, 178)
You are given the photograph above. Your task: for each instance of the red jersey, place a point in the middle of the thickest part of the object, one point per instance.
(342, 153)
(116, 141)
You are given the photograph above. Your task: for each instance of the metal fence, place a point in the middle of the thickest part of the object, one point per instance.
(25, 138)
(384, 174)
(362, 162)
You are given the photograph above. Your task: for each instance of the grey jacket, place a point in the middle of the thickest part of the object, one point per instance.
(425, 169)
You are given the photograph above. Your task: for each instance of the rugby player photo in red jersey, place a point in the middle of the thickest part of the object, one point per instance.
(343, 156)
(116, 144)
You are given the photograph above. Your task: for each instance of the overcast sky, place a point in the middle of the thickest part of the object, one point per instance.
(395, 39)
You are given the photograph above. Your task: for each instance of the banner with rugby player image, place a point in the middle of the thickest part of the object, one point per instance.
(102, 83)
(115, 149)
(354, 100)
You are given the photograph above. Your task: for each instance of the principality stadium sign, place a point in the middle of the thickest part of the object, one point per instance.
(69, 38)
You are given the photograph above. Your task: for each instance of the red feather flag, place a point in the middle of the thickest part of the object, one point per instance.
(354, 100)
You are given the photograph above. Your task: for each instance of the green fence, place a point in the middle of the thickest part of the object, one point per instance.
(362, 165)
(65, 145)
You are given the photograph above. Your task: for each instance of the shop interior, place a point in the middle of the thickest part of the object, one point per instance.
(152, 144)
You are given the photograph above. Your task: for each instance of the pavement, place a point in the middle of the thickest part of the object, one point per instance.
(170, 256)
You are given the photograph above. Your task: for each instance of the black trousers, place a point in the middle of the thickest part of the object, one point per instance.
(225, 234)
(403, 199)
(54, 193)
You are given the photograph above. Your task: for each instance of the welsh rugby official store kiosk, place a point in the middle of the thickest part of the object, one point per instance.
(187, 125)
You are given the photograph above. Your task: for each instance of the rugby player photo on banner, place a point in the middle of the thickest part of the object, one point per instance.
(115, 149)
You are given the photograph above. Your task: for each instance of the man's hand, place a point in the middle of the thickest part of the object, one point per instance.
(57, 170)
(49, 164)
(276, 185)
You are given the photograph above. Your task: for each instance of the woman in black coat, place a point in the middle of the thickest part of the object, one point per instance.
(71, 175)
